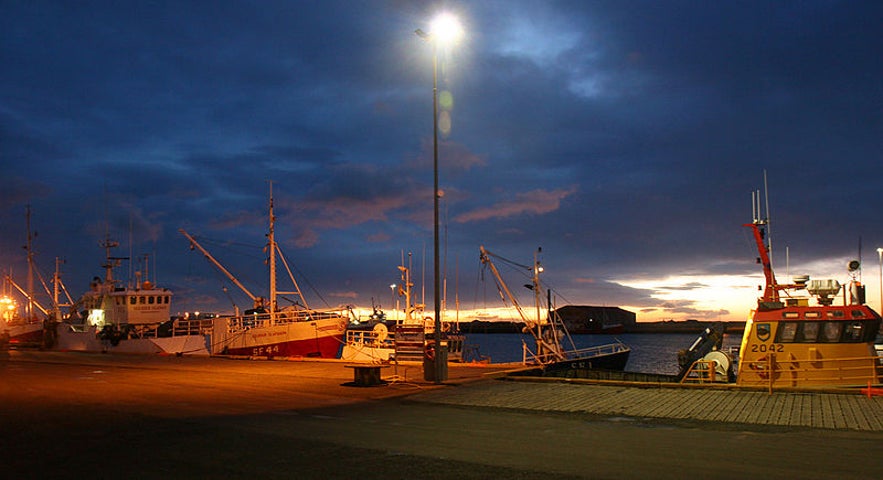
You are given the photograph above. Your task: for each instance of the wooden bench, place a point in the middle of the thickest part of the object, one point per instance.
(367, 375)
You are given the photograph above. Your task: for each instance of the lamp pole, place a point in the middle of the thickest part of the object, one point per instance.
(444, 28)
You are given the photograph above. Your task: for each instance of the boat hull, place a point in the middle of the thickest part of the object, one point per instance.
(611, 361)
(25, 333)
(69, 339)
(321, 338)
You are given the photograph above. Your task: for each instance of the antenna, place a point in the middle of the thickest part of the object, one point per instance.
(769, 230)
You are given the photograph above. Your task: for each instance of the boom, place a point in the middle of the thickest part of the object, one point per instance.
(193, 243)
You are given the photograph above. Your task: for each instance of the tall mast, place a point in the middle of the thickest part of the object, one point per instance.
(30, 279)
(760, 227)
(272, 246)
(769, 231)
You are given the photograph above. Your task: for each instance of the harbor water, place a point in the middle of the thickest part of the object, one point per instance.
(651, 352)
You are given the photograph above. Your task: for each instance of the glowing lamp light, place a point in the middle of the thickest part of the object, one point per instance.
(446, 29)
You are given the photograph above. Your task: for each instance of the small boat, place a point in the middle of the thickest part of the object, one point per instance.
(268, 330)
(382, 340)
(549, 353)
(17, 329)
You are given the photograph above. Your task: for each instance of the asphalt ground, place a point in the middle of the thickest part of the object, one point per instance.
(104, 416)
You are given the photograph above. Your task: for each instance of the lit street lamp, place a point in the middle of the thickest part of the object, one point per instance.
(444, 30)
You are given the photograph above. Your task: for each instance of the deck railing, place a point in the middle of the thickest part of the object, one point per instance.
(263, 320)
(775, 372)
(529, 356)
(367, 337)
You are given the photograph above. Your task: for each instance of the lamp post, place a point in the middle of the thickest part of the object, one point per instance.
(444, 29)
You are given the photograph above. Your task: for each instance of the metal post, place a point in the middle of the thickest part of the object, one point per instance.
(441, 357)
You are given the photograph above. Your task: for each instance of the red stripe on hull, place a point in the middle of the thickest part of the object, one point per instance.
(32, 336)
(322, 347)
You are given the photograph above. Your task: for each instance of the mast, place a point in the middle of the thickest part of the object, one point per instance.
(760, 228)
(545, 346)
(29, 310)
(536, 283)
(271, 238)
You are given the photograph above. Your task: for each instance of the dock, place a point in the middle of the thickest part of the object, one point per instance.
(837, 410)
(115, 416)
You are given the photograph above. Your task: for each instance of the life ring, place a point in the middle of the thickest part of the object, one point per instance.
(430, 353)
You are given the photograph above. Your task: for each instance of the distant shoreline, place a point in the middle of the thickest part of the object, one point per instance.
(670, 326)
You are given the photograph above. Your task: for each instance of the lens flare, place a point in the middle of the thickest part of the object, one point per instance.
(444, 123)
(445, 100)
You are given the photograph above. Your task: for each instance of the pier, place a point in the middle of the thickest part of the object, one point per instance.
(115, 416)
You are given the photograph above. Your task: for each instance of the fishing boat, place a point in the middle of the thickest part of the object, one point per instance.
(128, 317)
(22, 325)
(382, 340)
(268, 329)
(549, 352)
(809, 332)
(17, 329)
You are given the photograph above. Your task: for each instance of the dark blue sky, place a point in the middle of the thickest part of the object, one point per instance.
(624, 137)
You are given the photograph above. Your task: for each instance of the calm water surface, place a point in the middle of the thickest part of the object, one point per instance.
(651, 352)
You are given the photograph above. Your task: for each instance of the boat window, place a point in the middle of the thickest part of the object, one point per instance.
(831, 332)
(835, 314)
(810, 331)
(858, 314)
(141, 300)
(787, 332)
(132, 300)
(853, 332)
(812, 315)
(790, 315)
(150, 299)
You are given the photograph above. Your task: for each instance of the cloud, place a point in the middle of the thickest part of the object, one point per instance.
(536, 202)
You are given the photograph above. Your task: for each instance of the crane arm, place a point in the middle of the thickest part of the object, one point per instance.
(23, 292)
(485, 259)
(194, 243)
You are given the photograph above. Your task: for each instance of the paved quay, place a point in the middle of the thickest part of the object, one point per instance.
(68, 415)
(839, 411)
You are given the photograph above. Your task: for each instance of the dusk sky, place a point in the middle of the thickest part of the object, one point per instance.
(622, 137)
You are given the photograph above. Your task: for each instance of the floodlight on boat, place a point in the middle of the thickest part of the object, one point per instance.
(823, 289)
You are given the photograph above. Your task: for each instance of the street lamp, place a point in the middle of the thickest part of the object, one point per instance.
(445, 29)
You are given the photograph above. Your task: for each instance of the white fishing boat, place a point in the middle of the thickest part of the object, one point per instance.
(130, 318)
(268, 330)
(373, 342)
